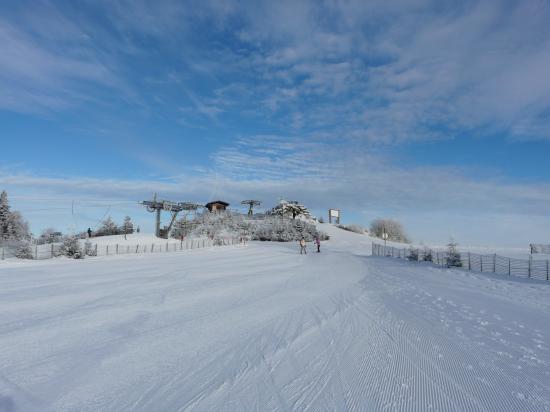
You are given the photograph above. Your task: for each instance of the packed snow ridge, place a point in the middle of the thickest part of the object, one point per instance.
(264, 328)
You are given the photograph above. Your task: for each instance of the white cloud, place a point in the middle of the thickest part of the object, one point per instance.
(322, 176)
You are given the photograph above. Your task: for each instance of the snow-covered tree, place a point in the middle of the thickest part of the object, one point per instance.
(12, 225)
(413, 255)
(268, 228)
(453, 255)
(292, 209)
(108, 227)
(71, 247)
(284, 230)
(393, 228)
(89, 249)
(49, 235)
(427, 255)
(23, 249)
(127, 225)
(4, 216)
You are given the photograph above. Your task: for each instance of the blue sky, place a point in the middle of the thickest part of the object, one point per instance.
(432, 112)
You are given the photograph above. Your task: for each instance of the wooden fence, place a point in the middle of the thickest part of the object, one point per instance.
(493, 263)
(49, 251)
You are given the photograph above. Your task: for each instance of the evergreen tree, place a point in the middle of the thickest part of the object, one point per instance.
(89, 249)
(23, 250)
(4, 216)
(413, 255)
(453, 256)
(71, 247)
(427, 255)
(127, 225)
(12, 225)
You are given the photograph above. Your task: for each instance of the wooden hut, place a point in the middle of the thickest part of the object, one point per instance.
(216, 206)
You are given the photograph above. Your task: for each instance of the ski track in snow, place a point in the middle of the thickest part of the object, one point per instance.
(261, 328)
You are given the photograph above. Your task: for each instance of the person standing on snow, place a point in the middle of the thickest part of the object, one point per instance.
(303, 246)
(318, 243)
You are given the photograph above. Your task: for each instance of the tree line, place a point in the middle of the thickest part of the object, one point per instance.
(15, 234)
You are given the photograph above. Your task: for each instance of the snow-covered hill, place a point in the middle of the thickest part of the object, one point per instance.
(264, 328)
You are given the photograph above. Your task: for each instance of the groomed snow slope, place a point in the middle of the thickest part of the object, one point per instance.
(263, 328)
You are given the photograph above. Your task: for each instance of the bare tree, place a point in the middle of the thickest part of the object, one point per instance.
(393, 228)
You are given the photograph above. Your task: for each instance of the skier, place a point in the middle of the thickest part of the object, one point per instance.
(89, 232)
(318, 243)
(303, 246)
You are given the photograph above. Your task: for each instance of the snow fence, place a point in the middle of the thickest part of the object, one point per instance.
(493, 263)
(49, 251)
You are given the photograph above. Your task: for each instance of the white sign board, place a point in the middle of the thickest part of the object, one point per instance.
(334, 213)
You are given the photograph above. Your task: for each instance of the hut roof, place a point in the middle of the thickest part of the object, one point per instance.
(217, 202)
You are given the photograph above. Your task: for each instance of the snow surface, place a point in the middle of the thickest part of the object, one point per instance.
(263, 328)
(132, 239)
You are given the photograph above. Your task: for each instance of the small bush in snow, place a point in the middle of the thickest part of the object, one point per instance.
(453, 258)
(23, 250)
(413, 255)
(71, 247)
(427, 255)
(89, 249)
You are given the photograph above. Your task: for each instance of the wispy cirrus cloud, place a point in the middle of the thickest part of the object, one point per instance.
(370, 70)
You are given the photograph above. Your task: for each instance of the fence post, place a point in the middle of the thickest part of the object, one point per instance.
(152, 247)
(546, 269)
(469, 261)
(203, 243)
(3, 253)
(116, 249)
(481, 262)
(52, 250)
(495, 263)
(137, 248)
(107, 249)
(509, 267)
(95, 249)
(529, 268)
